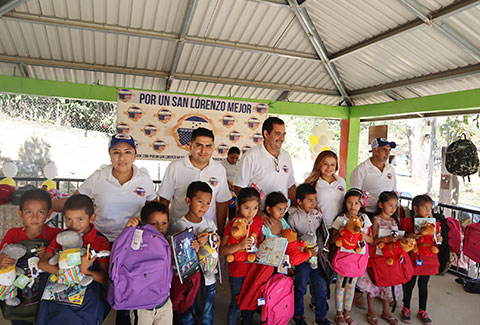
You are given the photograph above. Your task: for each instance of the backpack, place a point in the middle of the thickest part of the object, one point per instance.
(461, 157)
(254, 285)
(350, 265)
(139, 278)
(29, 297)
(471, 242)
(384, 275)
(279, 300)
(6, 193)
(19, 192)
(454, 235)
(444, 248)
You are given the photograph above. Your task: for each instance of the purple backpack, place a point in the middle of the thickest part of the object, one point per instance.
(140, 269)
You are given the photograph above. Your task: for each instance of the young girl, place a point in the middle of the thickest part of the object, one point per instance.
(275, 207)
(353, 204)
(248, 202)
(386, 219)
(422, 206)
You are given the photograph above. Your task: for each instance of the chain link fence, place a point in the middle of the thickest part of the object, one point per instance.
(81, 114)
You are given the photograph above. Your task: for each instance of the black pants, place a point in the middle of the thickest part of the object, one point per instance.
(422, 291)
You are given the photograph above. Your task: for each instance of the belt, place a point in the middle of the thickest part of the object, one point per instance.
(161, 305)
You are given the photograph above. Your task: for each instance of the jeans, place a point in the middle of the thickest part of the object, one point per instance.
(206, 315)
(318, 290)
(21, 322)
(233, 309)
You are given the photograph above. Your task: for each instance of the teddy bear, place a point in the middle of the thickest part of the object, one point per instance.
(350, 235)
(296, 249)
(69, 260)
(426, 241)
(208, 254)
(311, 246)
(239, 231)
(8, 291)
(393, 251)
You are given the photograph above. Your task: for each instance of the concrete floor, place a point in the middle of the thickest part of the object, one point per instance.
(448, 304)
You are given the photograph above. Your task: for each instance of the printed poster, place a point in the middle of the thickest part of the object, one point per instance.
(162, 123)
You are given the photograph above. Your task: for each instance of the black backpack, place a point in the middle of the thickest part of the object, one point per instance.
(462, 157)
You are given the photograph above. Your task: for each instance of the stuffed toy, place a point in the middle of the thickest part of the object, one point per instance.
(296, 249)
(394, 251)
(351, 236)
(8, 287)
(311, 246)
(69, 261)
(239, 231)
(208, 254)
(426, 242)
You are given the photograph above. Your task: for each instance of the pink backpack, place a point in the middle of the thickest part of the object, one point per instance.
(350, 265)
(471, 242)
(454, 235)
(279, 300)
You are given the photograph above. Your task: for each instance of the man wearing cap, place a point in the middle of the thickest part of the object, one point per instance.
(375, 175)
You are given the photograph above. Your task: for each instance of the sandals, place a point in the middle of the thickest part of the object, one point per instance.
(372, 320)
(390, 320)
(350, 320)
(339, 320)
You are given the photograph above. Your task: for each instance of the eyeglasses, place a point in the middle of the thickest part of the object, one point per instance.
(277, 167)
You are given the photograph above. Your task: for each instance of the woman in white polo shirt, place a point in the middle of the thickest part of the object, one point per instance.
(330, 187)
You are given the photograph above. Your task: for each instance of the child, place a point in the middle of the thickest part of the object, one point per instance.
(79, 217)
(155, 214)
(248, 204)
(35, 208)
(303, 220)
(386, 218)
(353, 205)
(422, 206)
(199, 196)
(275, 207)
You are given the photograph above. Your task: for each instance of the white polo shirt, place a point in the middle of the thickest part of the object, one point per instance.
(115, 203)
(230, 169)
(330, 197)
(180, 174)
(369, 178)
(258, 166)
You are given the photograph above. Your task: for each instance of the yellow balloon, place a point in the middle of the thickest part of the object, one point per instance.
(326, 148)
(311, 148)
(313, 139)
(49, 184)
(8, 181)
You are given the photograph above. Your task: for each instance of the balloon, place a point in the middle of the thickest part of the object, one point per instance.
(323, 140)
(49, 184)
(313, 139)
(326, 149)
(50, 171)
(330, 134)
(9, 170)
(317, 147)
(314, 156)
(8, 181)
(317, 130)
(324, 126)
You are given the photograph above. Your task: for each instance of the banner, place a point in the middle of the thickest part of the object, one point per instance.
(162, 124)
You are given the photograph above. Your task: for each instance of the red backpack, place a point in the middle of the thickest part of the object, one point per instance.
(183, 294)
(384, 275)
(471, 242)
(454, 235)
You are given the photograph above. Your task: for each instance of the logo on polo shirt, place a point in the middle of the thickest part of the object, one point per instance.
(150, 130)
(227, 121)
(389, 176)
(134, 113)
(140, 191)
(123, 128)
(340, 188)
(125, 95)
(213, 181)
(285, 169)
(222, 149)
(158, 146)
(164, 115)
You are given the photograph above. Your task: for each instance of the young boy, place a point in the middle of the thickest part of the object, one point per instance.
(79, 217)
(303, 220)
(199, 196)
(155, 214)
(35, 208)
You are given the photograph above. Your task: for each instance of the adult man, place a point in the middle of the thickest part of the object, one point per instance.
(197, 166)
(374, 176)
(267, 166)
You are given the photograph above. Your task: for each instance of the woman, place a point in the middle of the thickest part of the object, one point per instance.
(330, 187)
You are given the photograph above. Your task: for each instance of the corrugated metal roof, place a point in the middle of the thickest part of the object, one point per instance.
(467, 23)
(314, 99)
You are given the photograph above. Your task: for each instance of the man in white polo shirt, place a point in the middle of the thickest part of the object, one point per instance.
(267, 165)
(198, 166)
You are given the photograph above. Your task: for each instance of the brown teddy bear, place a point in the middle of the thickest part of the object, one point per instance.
(426, 242)
(351, 236)
(296, 248)
(239, 231)
(393, 251)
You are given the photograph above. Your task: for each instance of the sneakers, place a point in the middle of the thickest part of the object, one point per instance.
(422, 314)
(359, 300)
(324, 321)
(405, 315)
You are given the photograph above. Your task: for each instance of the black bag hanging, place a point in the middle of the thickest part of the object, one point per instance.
(462, 157)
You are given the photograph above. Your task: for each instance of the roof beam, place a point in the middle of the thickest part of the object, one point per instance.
(9, 6)
(421, 12)
(160, 74)
(283, 96)
(303, 17)
(180, 44)
(163, 36)
(438, 76)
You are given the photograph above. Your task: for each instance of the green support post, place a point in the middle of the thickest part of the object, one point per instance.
(353, 143)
